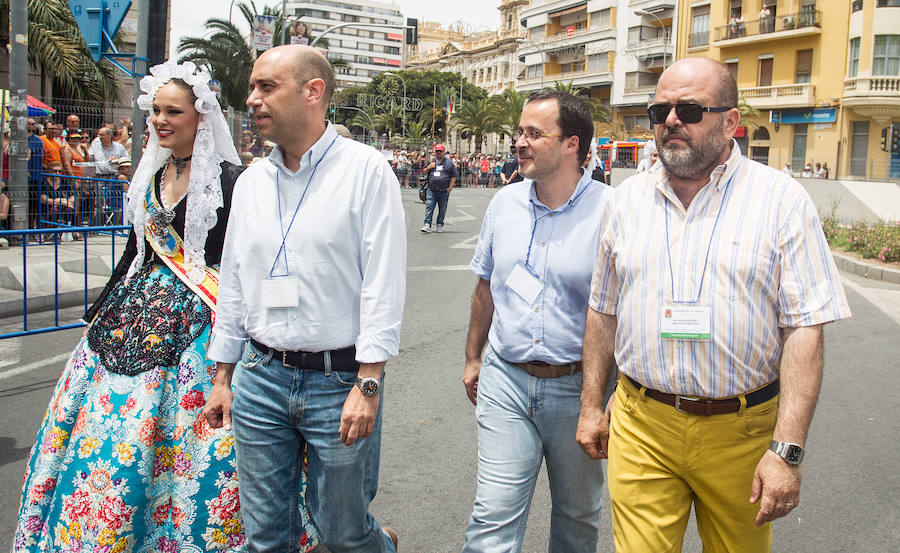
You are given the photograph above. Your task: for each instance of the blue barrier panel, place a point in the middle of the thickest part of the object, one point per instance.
(115, 231)
(72, 201)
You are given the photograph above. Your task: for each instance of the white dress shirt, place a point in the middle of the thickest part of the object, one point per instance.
(103, 156)
(347, 249)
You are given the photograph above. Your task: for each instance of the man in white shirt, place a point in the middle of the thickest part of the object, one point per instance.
(107, 153)
(313, 275)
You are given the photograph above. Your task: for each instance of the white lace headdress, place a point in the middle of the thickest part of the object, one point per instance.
(212, 145)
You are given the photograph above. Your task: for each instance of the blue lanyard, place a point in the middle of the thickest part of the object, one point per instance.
(708, 246)
(284, 233)
(570, 203)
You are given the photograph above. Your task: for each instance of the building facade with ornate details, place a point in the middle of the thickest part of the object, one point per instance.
(484, 57)
(823, 74)
(613, 49)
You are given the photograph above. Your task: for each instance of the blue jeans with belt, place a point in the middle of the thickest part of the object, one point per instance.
(524, 421)
(439, 196)
(276, 411)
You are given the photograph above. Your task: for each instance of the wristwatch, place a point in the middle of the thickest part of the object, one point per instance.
(791, 453)
(368, 386)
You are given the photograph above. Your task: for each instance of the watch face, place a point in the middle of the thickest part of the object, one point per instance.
(794, 454)
(369, 386)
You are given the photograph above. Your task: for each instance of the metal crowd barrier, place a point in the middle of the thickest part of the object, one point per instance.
(70, 201)
(113, 232)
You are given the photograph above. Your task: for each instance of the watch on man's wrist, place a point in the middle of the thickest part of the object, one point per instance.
(791, 453)
(368, 386)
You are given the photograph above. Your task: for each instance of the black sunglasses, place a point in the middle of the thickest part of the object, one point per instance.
(687, 113)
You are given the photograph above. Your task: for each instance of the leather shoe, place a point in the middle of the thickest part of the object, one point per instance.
(391, 534)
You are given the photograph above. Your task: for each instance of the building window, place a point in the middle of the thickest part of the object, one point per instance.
(601, 19)
(732, 66)
(804, 66)
(632, 121)
(856, 6)
(798, 151)
(535, 71)
(700, 26)
(853, 58)
(537, 33)
(638, 81)
(888, 4)
(734, 8)
(886, 60)
(598, 63)
(765, 72)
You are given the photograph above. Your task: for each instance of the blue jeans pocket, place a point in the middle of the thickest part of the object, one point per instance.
(251, 357)
(344, 378)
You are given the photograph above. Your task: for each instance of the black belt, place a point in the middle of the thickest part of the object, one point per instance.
(704, 406)
(341, 359)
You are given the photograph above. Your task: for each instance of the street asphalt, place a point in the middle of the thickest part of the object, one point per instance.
(427, 484)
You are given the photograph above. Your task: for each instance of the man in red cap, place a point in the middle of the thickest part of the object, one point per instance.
(442, 175)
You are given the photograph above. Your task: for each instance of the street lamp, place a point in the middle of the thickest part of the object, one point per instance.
(663, 26)
(403, 107)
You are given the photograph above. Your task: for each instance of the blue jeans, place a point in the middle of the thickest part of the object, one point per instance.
(523, 420)
(439, 196)
(276, 411)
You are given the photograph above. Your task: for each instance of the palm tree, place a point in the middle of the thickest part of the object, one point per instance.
(389, 120)
(746, 111)
(474, 118)
(56, 48)
(506, 110)
(416, 133)
(599, 112)
(434, 113)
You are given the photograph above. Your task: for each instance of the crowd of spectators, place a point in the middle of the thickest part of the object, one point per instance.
(475, 169)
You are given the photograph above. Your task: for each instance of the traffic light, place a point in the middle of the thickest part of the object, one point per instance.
(412, 35)
(331, 110)
(895, 138)
(885, 132)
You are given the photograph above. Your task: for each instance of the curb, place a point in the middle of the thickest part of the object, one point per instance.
(41, 304)
(867, 270)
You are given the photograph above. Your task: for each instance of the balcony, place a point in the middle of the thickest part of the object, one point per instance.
(780, 96)
(584, 79)
(804, 23)
(652, 5)
(875, 97)
(561, 41)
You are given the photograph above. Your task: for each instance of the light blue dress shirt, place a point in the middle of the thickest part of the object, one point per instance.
(562, 254)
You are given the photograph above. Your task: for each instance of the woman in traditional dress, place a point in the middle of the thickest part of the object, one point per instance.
(124, 460)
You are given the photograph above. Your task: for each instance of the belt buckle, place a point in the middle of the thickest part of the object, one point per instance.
(678, 400)
(284, 362)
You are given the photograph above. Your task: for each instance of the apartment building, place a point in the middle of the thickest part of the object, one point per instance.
(368, 52)
(823, 74)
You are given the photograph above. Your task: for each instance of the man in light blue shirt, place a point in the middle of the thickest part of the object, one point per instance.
(534, 261)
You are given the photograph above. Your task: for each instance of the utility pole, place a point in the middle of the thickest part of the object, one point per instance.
(140, 69)
(18, 115)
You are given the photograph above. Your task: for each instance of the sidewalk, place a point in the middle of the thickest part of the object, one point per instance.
(67, 264)
(73, 267)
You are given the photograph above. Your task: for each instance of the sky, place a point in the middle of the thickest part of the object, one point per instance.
(188, 18)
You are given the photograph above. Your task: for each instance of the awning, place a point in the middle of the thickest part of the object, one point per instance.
(567, 11)
(36, 108)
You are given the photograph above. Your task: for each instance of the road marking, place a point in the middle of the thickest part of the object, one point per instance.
(35, 365)
(887, 301)
(9, 352)
(465, 217)
(467, 244)
(439, 268)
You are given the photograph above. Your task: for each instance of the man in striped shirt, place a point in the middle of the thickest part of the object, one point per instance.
(712, 284)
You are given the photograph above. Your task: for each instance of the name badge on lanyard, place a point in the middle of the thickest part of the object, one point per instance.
(524, 283)
(279, 292)
(682, 322)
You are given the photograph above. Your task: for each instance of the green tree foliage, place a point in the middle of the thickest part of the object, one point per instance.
(475, 119)
(599, 112)
(56, 48)
(506, 110)
(747, 111)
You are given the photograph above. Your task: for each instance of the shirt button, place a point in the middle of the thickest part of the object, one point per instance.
(537, 340)
(543, 243)
(536, 309)
(551, 215)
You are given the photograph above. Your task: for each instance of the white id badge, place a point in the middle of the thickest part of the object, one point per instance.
(526, 285)
(279, 292)
(437, 171)
(678, 322)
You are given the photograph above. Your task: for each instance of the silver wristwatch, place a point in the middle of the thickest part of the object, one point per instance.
(368, 386)
(791, 453)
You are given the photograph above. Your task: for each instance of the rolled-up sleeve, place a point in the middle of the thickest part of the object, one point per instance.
(810, 291)
(229, 334)
(383, 264)
(605, 281)
(482, 263)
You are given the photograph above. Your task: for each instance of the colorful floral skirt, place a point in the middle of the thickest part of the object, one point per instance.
(126, 462)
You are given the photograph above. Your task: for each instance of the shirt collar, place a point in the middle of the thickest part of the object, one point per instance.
(582, 185)
(313, 155)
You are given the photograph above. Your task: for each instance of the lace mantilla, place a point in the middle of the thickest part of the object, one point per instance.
(212, 145)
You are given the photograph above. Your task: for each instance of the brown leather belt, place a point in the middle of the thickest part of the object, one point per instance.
(540, 369)
(707, 407)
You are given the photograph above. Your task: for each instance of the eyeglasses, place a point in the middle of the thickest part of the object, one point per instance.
(531, 135)
(687, 113)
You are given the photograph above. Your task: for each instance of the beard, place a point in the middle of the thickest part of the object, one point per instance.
(696, 157)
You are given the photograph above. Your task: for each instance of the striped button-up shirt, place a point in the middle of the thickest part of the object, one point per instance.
(765, 267)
